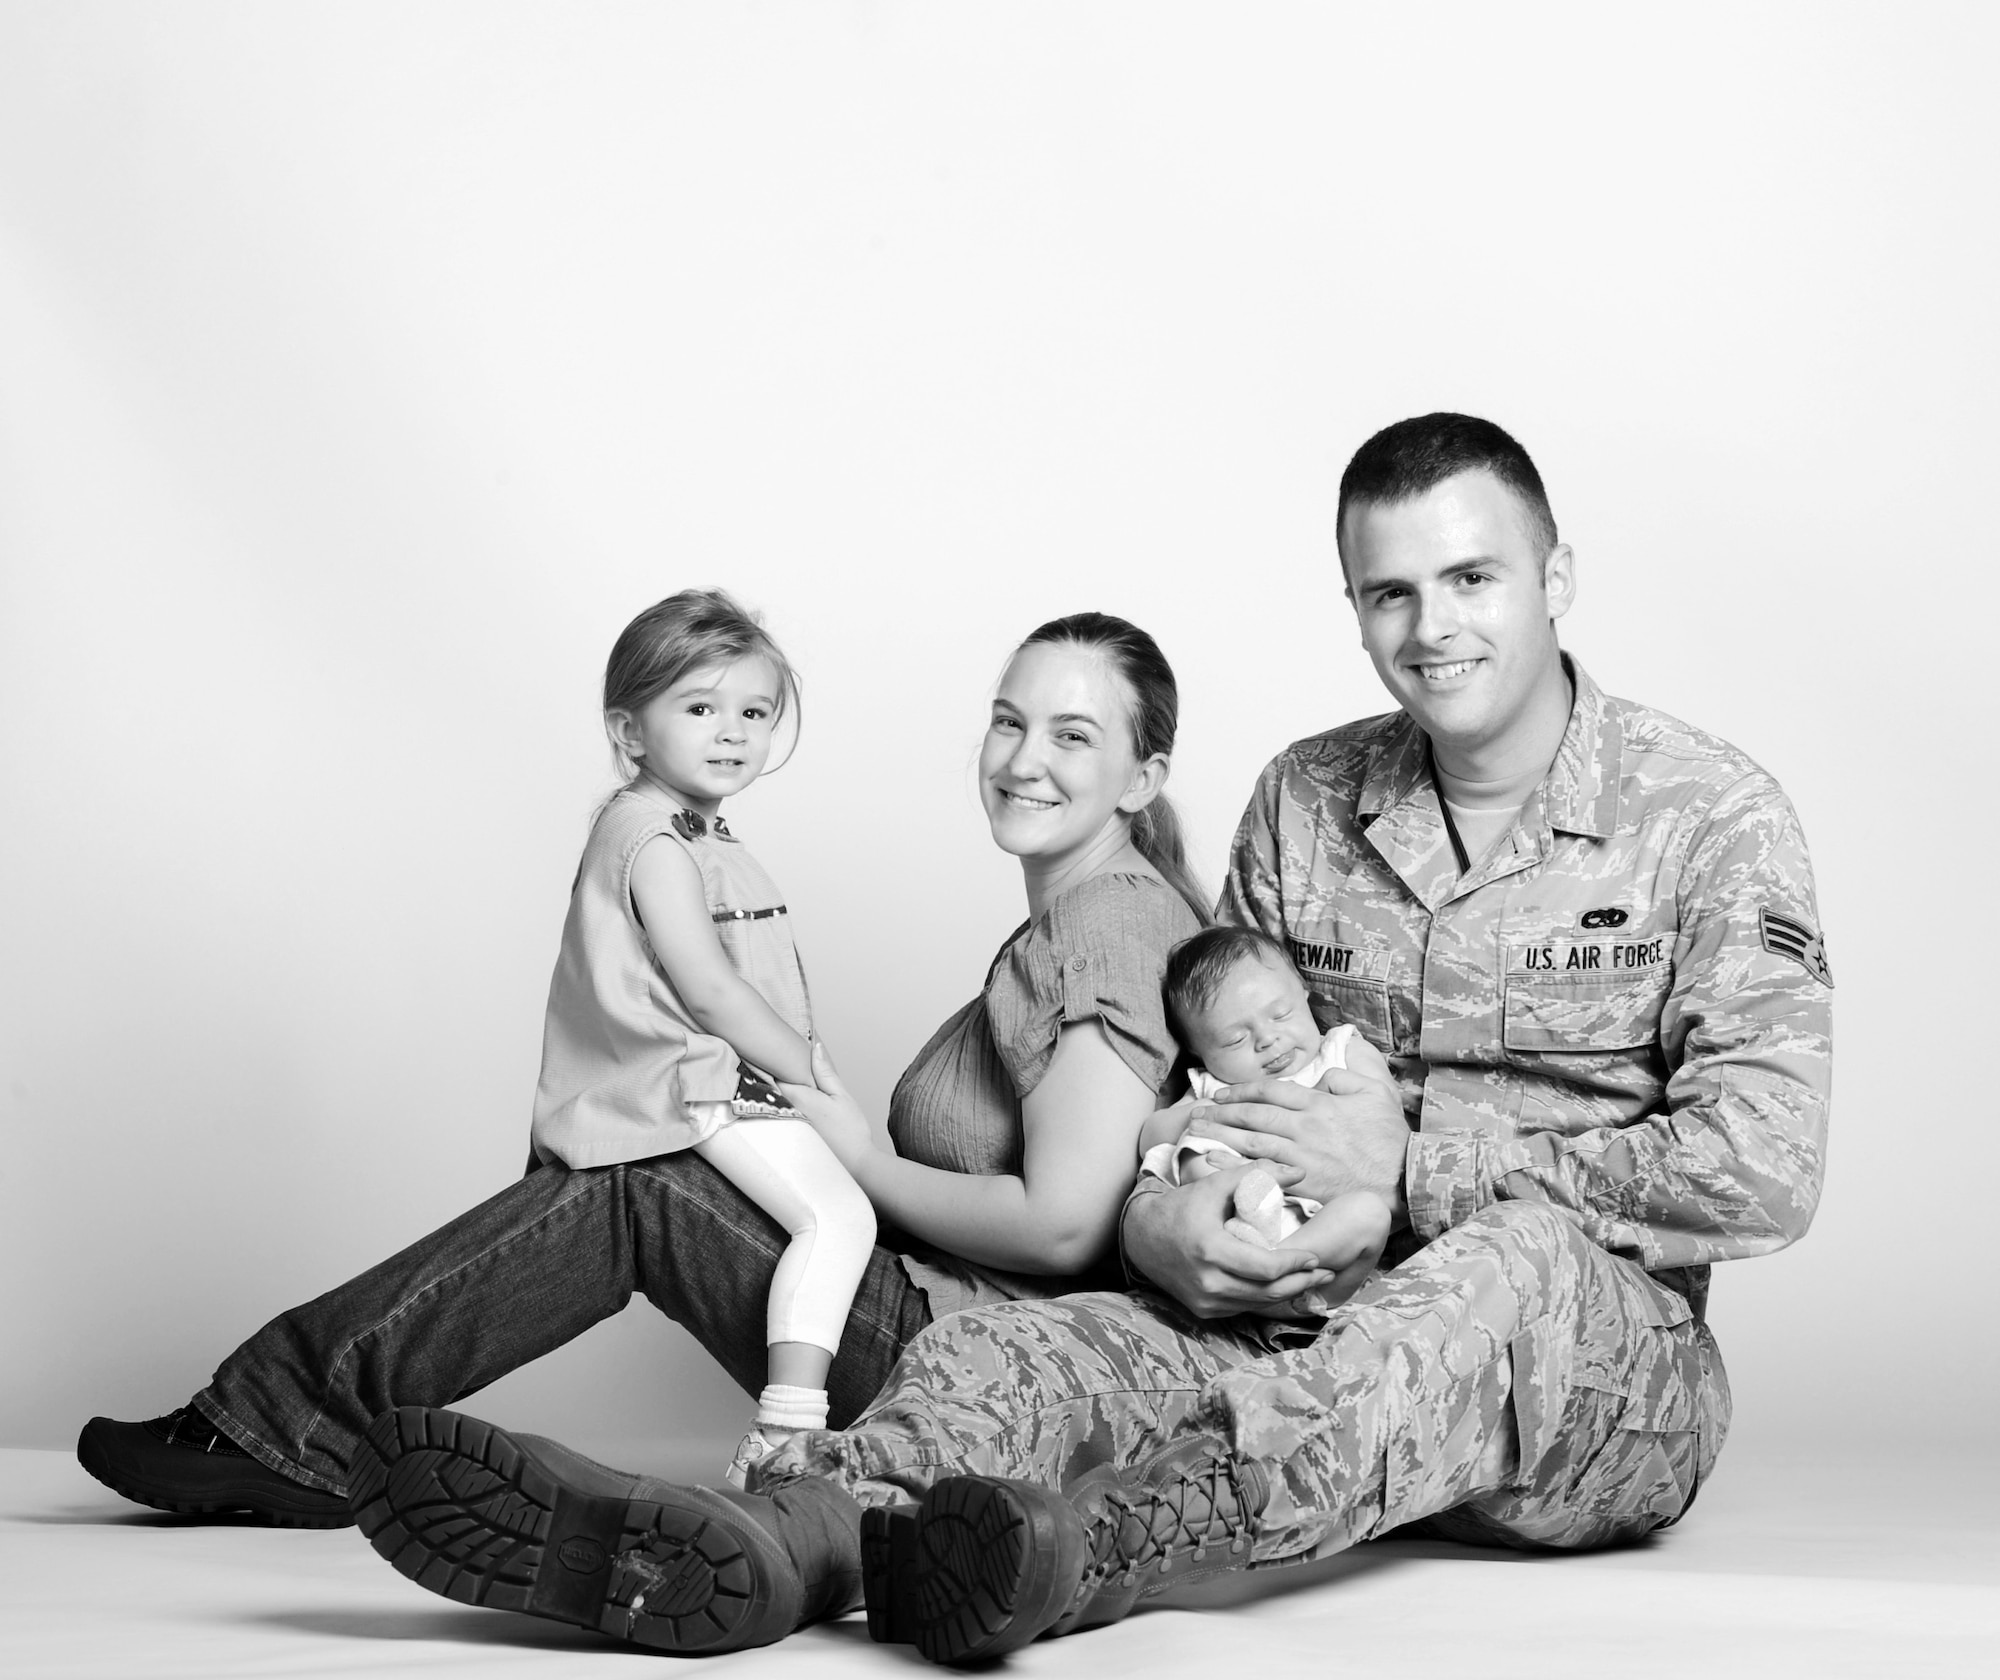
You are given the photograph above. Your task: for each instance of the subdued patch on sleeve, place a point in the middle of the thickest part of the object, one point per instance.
(1787, 936)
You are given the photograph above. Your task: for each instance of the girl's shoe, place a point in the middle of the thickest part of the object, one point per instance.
(763, 1440)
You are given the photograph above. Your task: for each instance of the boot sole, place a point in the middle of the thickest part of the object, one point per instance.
(220, 1499)
(991, 1570)
(888, 1562)
(467, 1513)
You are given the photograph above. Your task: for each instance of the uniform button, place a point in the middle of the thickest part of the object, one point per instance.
(1079, 963)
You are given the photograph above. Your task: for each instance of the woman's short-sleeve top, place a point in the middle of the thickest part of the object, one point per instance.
(1096, 954)
(622, 1057)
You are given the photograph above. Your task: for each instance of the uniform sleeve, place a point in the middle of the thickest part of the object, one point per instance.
(1731, 1164)
(1251, 895)
(1098, 954)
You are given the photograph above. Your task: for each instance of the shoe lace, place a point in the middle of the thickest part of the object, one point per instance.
(186, 1427)
(1183, 1517)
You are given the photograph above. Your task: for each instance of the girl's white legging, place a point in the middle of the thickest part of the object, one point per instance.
(785, 1167)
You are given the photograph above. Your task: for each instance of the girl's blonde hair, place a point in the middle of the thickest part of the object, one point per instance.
(683, 633)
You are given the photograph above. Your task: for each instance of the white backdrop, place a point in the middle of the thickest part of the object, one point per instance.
(364, 367)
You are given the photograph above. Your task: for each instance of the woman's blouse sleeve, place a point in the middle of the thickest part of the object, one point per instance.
(1097, 954)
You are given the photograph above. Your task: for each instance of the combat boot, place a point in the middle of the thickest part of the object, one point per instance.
(516, 1522)
(987, 1564)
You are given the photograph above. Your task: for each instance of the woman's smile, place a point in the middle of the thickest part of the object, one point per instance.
(1058, 758)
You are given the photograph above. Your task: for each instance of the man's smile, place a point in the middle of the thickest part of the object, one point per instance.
(1443, 671)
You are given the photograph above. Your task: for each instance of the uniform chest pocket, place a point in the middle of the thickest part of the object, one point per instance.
(1553, 1012)
(1354, 1001)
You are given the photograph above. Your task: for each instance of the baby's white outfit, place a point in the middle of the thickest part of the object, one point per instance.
(1166, 1160)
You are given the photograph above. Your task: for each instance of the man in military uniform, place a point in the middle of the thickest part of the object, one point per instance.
(1584, 934)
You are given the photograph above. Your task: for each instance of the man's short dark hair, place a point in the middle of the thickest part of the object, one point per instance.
(1414, 456)
(1198, 965)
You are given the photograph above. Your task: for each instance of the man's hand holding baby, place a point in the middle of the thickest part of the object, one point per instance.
(1178, 1237)
(1348, 1133)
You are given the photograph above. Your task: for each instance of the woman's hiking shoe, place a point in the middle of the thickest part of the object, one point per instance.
(515, 1522)
(987, 1564)
(182, 1462)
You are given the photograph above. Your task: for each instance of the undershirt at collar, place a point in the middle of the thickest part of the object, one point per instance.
(1480, 816)
(1476, 830)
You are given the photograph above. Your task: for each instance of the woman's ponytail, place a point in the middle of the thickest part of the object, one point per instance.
(1156, 831)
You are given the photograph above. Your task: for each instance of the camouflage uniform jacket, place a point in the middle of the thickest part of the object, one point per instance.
(1622, 1010)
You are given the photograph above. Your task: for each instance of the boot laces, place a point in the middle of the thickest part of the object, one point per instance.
(1157, 1527)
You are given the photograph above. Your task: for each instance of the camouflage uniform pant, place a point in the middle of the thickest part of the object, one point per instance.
(1510, 1383)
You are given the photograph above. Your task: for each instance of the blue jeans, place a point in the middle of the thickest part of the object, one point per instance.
(517, 1277)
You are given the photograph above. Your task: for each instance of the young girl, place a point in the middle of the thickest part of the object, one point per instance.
(678, 996)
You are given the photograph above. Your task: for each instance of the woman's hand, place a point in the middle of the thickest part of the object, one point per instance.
(834, 1114)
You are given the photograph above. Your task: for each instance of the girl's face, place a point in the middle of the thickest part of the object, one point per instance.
(707, 736)
(1058, 766)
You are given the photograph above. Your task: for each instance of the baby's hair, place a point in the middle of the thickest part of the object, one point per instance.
(683, 633)
(1198, 965)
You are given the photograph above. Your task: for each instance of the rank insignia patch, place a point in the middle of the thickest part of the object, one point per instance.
(1784, 936)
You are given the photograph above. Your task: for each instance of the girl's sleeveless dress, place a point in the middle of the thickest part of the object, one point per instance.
(626, 1073)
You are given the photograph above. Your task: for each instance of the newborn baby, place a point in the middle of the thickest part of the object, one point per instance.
(1240, 1007)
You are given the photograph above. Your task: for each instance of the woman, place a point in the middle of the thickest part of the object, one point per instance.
(1014, 1133)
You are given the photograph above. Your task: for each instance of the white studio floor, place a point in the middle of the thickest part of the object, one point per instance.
(1781, 1570)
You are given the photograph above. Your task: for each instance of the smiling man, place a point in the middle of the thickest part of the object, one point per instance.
(1584, 936)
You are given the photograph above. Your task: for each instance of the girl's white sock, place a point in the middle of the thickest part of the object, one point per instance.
(787, 1407)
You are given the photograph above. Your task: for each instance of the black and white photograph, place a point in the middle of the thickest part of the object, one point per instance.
(850, 836)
